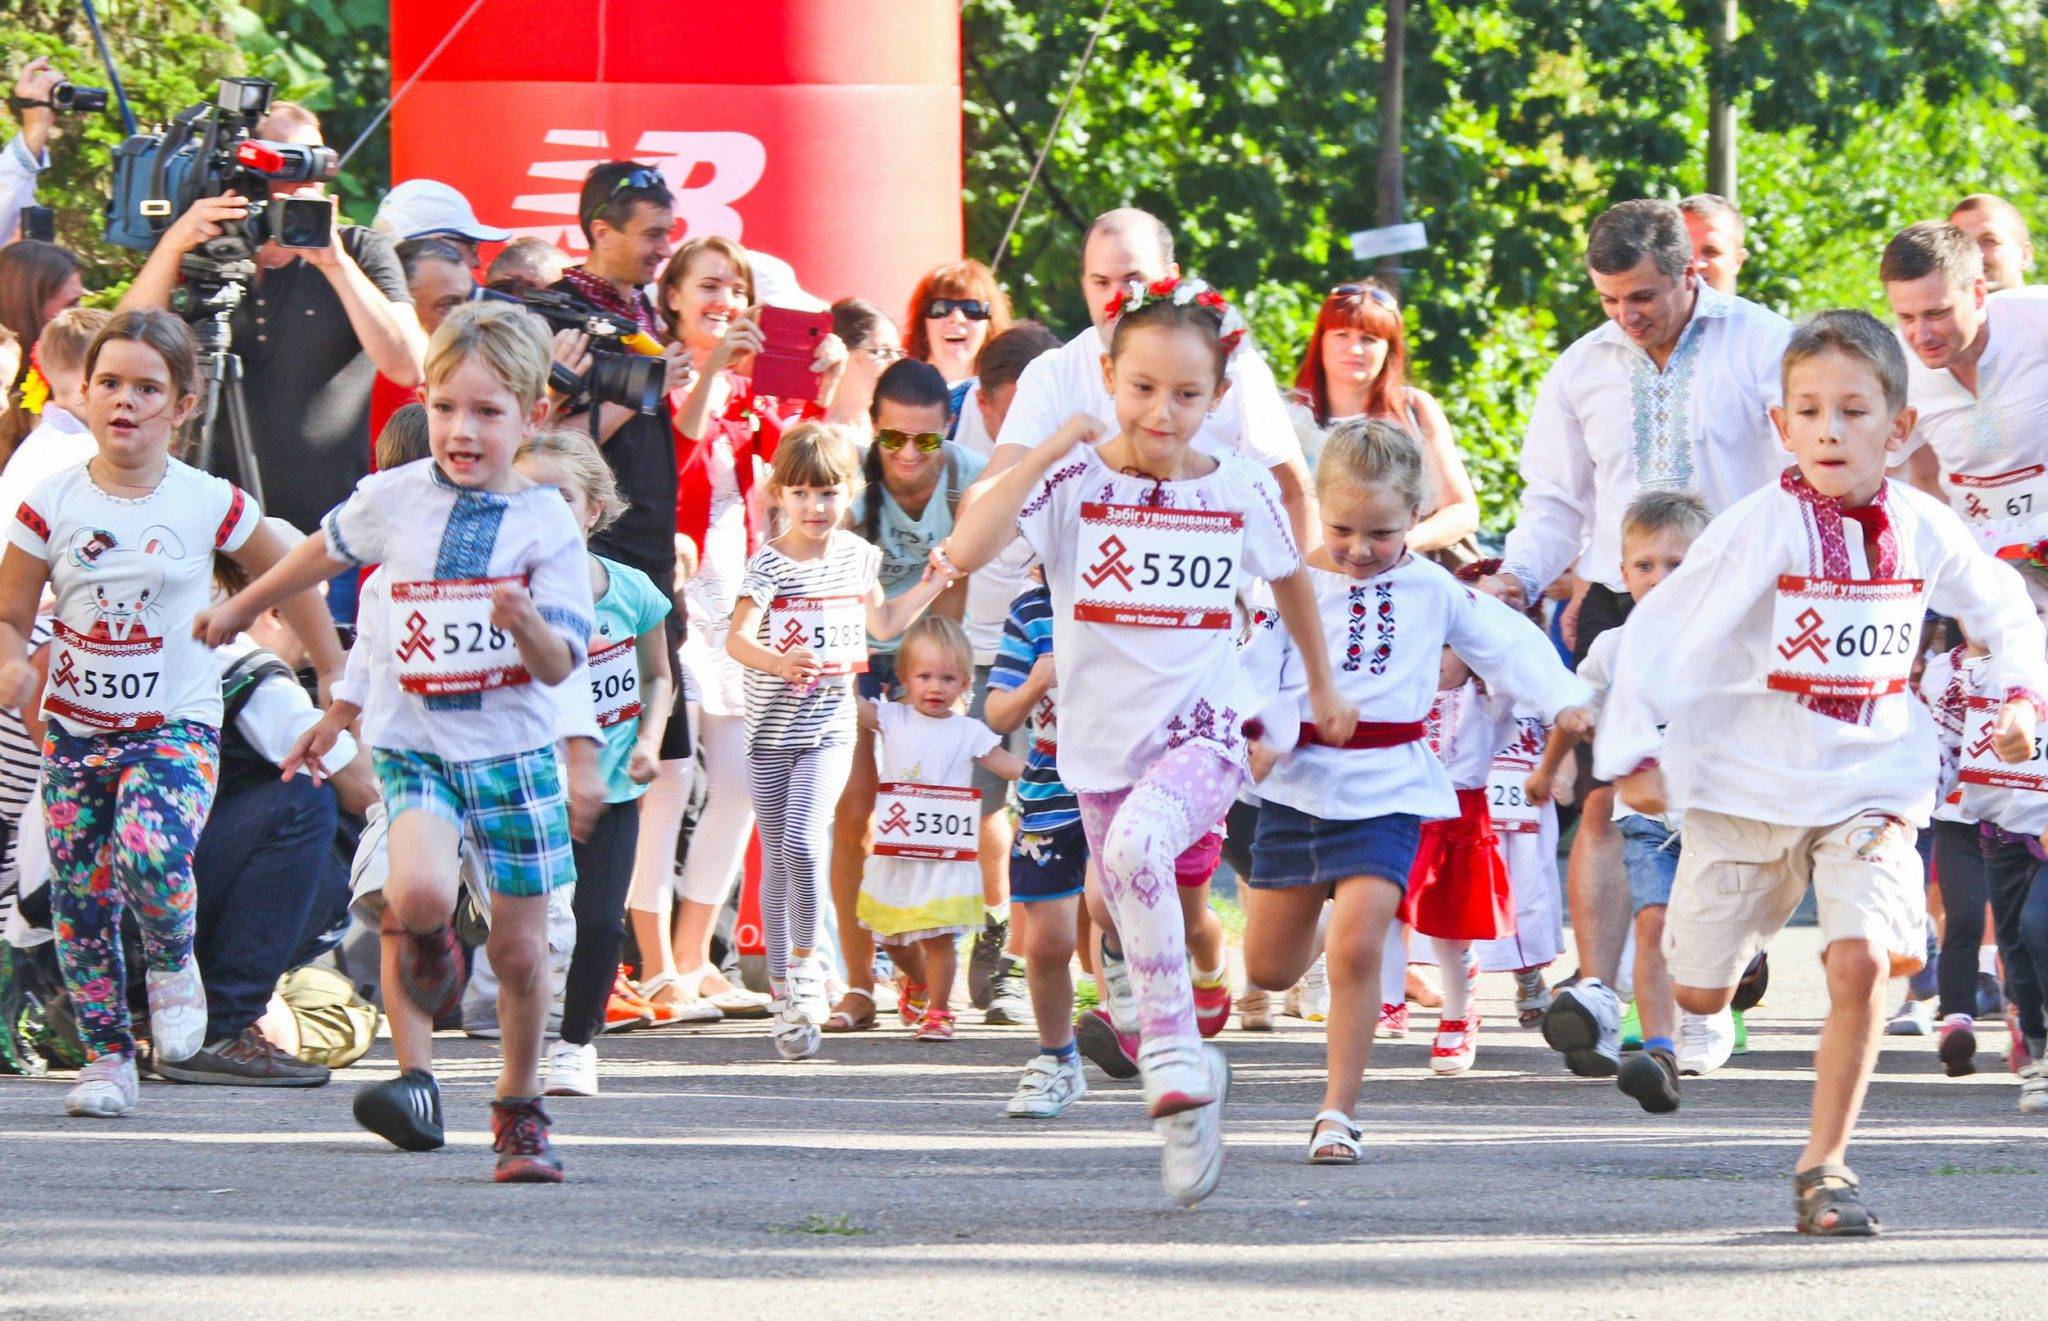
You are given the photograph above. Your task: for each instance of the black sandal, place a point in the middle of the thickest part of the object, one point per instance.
(1829, 1199)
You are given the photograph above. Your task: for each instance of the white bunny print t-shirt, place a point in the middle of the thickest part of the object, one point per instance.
(129, 576)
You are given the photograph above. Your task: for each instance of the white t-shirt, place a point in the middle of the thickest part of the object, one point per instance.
(129, 575)
(425, 530)
(992, 587)
(1996, 435)
(1251, 420)
(58, 442)
(1130, 693)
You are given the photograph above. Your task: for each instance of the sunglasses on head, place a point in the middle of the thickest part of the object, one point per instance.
(927, 441)
(644, 177)
(973, 308)
(883, 352)
(1372, 291)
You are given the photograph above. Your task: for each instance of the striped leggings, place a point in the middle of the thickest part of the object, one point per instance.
(795, 791)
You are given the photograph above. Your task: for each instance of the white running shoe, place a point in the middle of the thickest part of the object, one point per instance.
(1914, 1019)
(1118, 996)
(808, 990)
(1193, 1160)
(796, 1037)
(1583, 1024)
(1315, 991)
(2034, 1088)
(1048, 1087)
(1176, 1076)
(572, 1070)
(1705, 1041)
(107, 1089)
(177, 1012)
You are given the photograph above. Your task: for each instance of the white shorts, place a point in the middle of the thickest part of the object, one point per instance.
(1740, 880)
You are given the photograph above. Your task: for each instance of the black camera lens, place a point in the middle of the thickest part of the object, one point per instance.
(626, 379)
(78, 100)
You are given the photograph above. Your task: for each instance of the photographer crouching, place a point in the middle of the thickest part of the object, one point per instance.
(318, 325)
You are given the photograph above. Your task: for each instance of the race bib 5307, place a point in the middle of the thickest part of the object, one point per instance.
(1836, 638)
(107, 684)
(1158, 568)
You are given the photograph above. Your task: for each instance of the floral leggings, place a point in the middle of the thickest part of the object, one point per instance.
(1135, 835)
(123, 812)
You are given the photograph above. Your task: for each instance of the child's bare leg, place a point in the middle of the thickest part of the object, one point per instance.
(1280, 932)
(1596, 884)
(1654, 1004)
(519, 955)
(1205, 929)
(1849, 1039)
(941, 963)
(419, 895)
(1352, 950)
(412, 1032)
(1048, 958)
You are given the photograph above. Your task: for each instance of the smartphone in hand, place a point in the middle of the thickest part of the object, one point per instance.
(789, 343)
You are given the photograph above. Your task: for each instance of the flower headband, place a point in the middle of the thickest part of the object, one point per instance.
(1180, 293)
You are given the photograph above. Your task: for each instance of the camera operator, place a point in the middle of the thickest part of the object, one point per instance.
(627, 214)
(27, 154)
(318, 326)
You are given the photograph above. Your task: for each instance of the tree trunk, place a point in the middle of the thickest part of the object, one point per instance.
(1392, 189)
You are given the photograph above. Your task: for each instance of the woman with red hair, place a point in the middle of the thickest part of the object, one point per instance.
(1356, 366)
(955, 309)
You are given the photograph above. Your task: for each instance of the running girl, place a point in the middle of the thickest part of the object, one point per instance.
(1146, 541)
(490, 606)
(632, 689)
(798, 628)
(1341, 819)
(125, 542)
(923, 886)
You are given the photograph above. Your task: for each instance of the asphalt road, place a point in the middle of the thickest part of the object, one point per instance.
(880, 1180)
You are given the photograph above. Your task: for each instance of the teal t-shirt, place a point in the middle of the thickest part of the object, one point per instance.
(630, 606)
(906, 543)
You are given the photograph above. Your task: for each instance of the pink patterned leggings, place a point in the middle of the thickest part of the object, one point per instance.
(1135, 834)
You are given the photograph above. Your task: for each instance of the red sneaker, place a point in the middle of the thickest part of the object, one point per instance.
(1393, 1021)
(1110, 1050)
(519, 1134)
(1457, 1041)
(1212, 1007)
(627, 1008)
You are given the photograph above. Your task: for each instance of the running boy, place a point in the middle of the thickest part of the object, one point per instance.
(1776, 661)
(490, 605)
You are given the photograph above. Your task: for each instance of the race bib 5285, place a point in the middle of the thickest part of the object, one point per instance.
(834, 628)
(1838, 638)
(1158, 568)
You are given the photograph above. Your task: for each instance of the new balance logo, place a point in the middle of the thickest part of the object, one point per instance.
(707, 172)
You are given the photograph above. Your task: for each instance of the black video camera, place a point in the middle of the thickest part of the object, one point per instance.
(69, 98)
(627, 371)
(206, 151)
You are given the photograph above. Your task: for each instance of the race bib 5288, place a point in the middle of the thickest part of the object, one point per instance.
(1507, 797)
(1838, 638)
(1157, 568)
(444, 642)
(834, 628)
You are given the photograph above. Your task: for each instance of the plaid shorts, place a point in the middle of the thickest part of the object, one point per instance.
(511, 809)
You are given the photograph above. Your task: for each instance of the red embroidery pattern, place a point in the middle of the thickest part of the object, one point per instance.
(1828, 549)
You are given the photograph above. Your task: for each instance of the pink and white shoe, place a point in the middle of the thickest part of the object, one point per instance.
(1393, 1022)
(1212, 1007)
(1457, 1041)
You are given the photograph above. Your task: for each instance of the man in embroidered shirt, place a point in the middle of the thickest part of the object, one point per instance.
(1129, 245)
(1977, 371)
(1674, 390)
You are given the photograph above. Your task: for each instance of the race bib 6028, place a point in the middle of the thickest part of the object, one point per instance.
(1833, 637)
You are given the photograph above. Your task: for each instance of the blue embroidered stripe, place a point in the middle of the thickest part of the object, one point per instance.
(466, 546)
(331, 525)
(576, 626)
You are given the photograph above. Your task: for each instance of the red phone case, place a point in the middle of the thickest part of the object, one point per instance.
(789, 342)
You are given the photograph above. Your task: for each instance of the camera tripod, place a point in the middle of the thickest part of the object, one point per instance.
(213, 330)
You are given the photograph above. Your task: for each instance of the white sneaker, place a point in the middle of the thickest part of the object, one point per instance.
(1176, 1076)
(572, 1070)
(808, 990)
(1193, 1160)
(1705, 1041)
(1315, 991)
(796, 1037)
(2034, 1088)
(1914, 1019)
(1118, 996)
(1048, 1087)
(107, 1089)
(1583, 1023)
(177, 1012)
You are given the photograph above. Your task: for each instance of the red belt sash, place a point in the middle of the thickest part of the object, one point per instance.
(1371, 734)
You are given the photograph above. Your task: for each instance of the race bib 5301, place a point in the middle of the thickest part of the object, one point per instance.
(934, 822)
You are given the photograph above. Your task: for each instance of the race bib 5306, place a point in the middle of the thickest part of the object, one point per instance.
(615, 682)
(1158, 568)
(1836, 638)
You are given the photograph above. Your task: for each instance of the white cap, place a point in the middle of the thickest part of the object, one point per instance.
(419, 208)
(775, 284)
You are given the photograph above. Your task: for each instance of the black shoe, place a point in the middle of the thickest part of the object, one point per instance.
(984, 960)
(1756, 979)
(246, 1059)
(1958, 1049)
(405, 1111)
(1651, 1077)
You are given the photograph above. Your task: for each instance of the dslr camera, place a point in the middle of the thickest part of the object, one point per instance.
(205, 151)
(625, 364)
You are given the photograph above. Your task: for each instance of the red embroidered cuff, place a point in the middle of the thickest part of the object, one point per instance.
(2031, 697)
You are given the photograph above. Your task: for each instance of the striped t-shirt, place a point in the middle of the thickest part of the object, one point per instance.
(1044, 803)
(781, 715)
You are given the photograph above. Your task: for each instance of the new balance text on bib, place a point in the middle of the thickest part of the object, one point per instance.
(615, 682)
(1980, 765)
(104, 682)
(1832, 637)
(1157, 568)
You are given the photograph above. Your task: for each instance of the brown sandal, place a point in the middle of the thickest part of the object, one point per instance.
(844, 1019)
(1829, 1199)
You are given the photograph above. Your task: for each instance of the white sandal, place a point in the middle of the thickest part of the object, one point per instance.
(733, 1001)
(691, 1010)
(1345, 1134)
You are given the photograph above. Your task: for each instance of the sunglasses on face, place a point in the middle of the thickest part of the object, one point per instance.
(1372, 291)
(644, 177)
(974, 309)
(927, 442)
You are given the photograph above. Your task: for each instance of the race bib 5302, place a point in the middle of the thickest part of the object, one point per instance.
(1157, 568)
